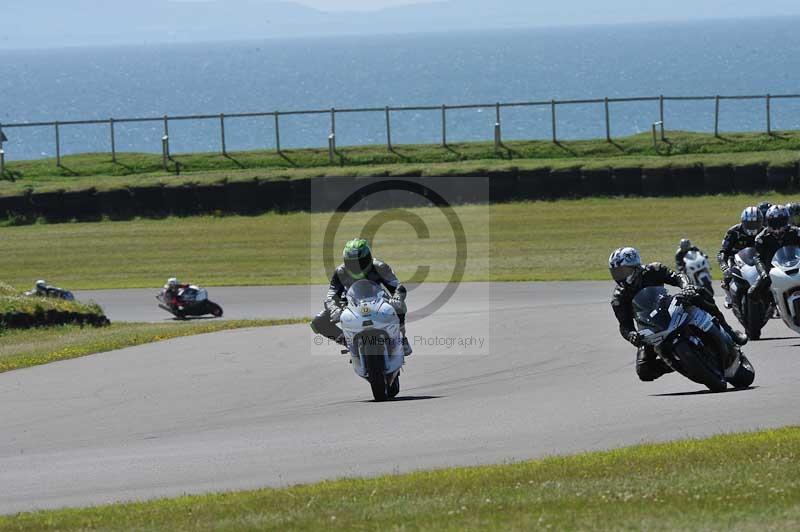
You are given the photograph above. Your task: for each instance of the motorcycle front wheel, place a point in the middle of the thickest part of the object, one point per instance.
(745, 375)
(374, 366)
(698, 368)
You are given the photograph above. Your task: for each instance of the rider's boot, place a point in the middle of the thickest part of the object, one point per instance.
(738, 338)
(406, 347)
(648, 366)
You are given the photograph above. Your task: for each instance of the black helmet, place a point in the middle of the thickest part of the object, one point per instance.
(764, 207)
(357, 258)
(777, 218)
(794, 211)
(685, 245)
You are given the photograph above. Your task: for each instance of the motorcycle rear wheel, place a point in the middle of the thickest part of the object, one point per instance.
(697, 368)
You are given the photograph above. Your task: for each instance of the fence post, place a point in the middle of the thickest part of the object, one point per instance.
(58, 146)
(166, 137)
(2, 153)
(388, 129)
(113, 141)
(553, 116)
(165, 152)
(608, 121)
(498, 133)
(444, 125)
(716, 116)
(769, 115)
(222, 133)
(661, 115)
(333, 132)
(277, 132)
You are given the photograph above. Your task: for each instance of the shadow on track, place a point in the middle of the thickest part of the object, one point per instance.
(404, 398)
(703, 392)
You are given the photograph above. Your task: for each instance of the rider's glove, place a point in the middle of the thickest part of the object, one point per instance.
(635, 339)
(399, 305)
(687, 294)
(336, 314)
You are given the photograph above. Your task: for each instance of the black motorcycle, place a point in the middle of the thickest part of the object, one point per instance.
(752, 311)
(690, 341)
(190, 302)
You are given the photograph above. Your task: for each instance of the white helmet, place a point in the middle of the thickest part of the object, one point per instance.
(624, 263)
(173, 282)
(41, 283)
(752, 221)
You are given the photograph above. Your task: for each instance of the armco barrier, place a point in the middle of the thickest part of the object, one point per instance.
(597, 182)
(718, 179)
(657, 182)
(149, 201)
(81, 205)
(565, 182)
(48, 205)
(256, 196)
(116, 204)
(211, 198)
(688, 180)
(750, 178)
(243, 197)
(628, 181)
(781, 177)
(534, 184)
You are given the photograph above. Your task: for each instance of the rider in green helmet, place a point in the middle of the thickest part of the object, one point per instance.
(358, 264)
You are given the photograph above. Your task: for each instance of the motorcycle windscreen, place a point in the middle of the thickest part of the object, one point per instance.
(364, 291)
(787, 258)
(746, 257)
(651, 308)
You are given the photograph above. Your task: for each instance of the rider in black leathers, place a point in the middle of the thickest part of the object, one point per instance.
(359, 264)
(648, 366)
(739, 237)
(777, 234)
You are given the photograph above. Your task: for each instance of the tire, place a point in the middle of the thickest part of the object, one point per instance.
(214, 309)
(697, 368)
(373, 360)
(394, 389)
(753, 318)
(745, 375)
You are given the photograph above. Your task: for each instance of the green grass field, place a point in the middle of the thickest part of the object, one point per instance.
(682, 149)
(532, 241)
(31, 347)
(735, 482)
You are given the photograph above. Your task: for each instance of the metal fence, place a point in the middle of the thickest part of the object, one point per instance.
(388, 111)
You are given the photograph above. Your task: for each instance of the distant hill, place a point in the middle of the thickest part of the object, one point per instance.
(48, 23)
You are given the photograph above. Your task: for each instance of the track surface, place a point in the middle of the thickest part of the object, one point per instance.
(265, 407)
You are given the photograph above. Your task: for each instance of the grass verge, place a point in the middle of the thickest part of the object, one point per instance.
(733, 482)
(682, 149)
(25, 348)
(15, 302)
(532, 241)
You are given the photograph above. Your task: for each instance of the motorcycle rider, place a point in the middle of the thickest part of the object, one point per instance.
(359, 264)
(685, 247)
(777, 234)
(794, 212)
(764, 207)
(631, 277)
(739, 237)
(171, 290)
(42, 289)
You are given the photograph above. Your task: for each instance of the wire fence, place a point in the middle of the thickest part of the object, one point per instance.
(389, 111)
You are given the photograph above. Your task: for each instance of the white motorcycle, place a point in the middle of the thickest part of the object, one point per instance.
(374, 340)
(785, 276)
(699, 271)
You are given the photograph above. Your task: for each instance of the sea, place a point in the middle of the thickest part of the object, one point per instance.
(725, 57)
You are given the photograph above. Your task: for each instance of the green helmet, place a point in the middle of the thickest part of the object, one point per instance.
(357, 258)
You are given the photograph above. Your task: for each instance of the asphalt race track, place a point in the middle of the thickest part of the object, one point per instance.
(267, 407)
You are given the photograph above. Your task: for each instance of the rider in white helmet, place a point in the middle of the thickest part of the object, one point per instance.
(631, 276)
(172, 288)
